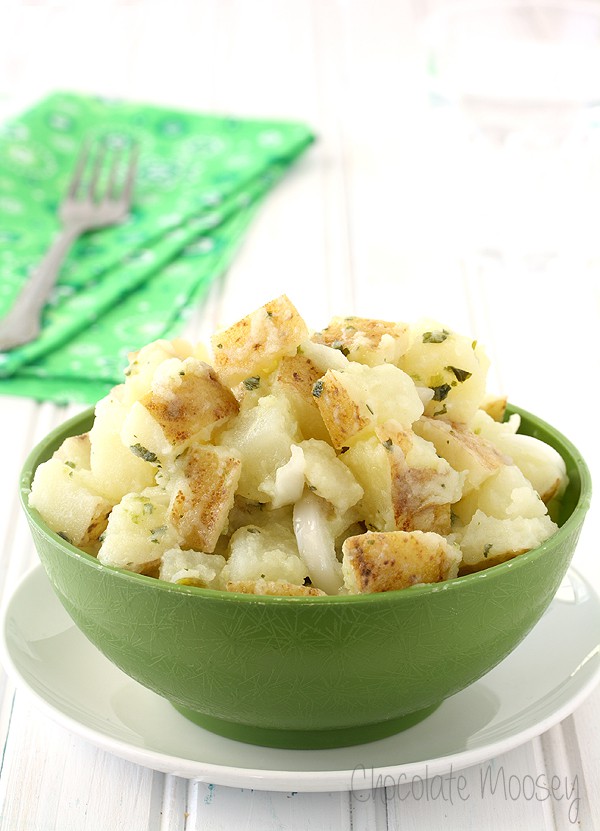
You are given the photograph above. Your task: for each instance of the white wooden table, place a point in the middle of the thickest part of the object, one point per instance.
(380, 218)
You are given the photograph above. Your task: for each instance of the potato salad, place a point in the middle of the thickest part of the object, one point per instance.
(362, 458)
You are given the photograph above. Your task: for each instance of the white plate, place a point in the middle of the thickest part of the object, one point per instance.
(539, 684)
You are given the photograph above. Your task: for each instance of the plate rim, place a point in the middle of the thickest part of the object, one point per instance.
(305, 781)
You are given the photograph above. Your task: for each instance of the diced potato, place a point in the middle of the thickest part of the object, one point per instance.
(144, 363)
(203, 482)
(367, 341)
(186, 404)
(295, 379)
(115, 467)
(67, 504)
(375, 562)
(279, 588)
(191, 568)
(328, 476)
(424, 486)
(505, 494)
(76, 451)
(406, 485)
(352, 403)
(487, 540)
(188, 401)
(261, 437)
(370, 464)
(255, 344)
(268, 553)
(453, 366)
(462, 448)
(138, 532)
(540, 463)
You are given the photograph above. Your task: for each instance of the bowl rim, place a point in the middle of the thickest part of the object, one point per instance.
(44, 448)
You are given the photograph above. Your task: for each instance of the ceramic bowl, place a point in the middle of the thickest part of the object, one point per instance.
(301, 672)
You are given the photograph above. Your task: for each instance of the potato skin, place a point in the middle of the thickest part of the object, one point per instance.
(255, 344)
(206, 481)
(380, 562)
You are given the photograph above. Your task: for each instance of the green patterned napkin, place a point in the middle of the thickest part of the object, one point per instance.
(200, 179)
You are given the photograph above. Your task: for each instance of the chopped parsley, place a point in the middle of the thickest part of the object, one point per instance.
(388, 444)
(486, 549)
(441, 392)
(317, 389)
(460, 374)
(143, 453)
(337, 344)
(252, 383)
(155, 533)
(437, 336)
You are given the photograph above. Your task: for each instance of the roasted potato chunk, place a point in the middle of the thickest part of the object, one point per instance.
(380, 562)
(352, 403)
(370, 342)
(295, 379)
(254, 345)
(203, 482)
(407, 486)
(462, 448)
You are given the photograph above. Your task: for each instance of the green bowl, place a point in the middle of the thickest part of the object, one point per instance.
(299, 672)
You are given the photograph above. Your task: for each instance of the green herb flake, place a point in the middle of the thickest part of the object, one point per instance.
(440, 393)
(388, 444)
(486, 549)
(437, 336)
(460, 374)
(143, 453)
(148, 507)
(337, 344)
(158, 532)
(317, 389)
(369, 409)
(64, 536)
(72, 465)
(252, 383)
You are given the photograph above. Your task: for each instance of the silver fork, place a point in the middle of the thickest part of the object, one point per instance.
(99, 195)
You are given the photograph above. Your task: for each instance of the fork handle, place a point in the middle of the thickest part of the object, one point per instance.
(22, 324)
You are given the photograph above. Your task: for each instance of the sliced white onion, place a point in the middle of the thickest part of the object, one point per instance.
(316, 544)
(289, 479)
